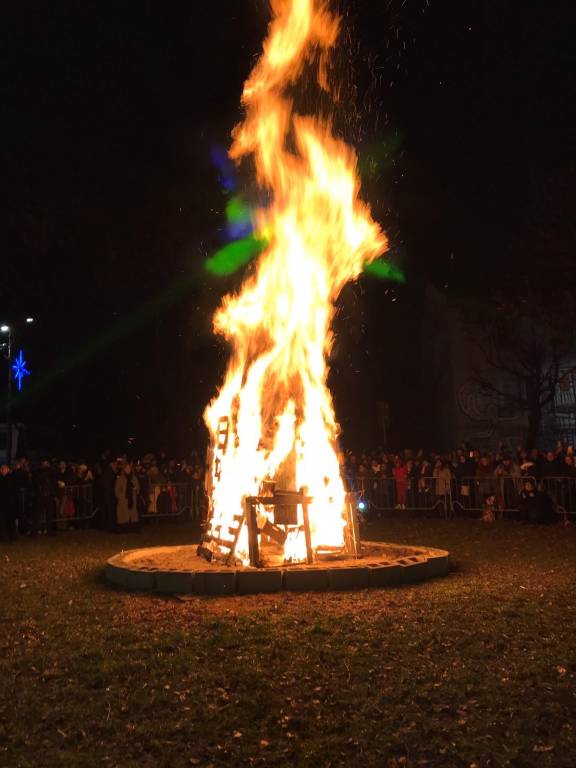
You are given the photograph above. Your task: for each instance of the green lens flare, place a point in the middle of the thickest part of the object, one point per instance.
(383, 270)
(237, 212)
(231, 257)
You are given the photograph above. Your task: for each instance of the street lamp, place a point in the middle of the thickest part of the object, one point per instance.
(9, 330)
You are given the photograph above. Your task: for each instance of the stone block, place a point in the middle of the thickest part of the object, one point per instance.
(438, 564)
(174, 582)
(253, 581)
(215, 582)
(115, 574)
(306, 579)
(386, 575)
(414, 570)
(354, 577)
(138, 580)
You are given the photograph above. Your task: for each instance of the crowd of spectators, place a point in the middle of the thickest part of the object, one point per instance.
(534, 485)
(113, 493)
(463, 462)
(533, 481)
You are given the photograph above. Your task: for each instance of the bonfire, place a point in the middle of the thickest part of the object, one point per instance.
(275, 484)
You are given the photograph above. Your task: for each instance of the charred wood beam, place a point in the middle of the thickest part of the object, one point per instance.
(204, 552)
(306, 519)
(253, 548)
(274, 532)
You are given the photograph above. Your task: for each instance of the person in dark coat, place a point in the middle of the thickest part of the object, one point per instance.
(45, 499)
(536, 506)
(8, 504)
(108, 482)
(65, 474)
(465, 469)
(22, 479)
(552, 465)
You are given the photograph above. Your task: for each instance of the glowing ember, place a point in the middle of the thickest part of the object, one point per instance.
(273, 418)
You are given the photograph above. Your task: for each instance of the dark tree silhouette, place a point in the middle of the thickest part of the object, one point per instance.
(526, 338)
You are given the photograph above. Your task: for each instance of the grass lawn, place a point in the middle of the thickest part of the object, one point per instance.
(475, 669)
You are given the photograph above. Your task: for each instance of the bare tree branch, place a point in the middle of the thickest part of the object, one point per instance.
(526, 338)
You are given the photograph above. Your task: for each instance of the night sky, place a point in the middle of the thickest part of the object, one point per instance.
(111, 202)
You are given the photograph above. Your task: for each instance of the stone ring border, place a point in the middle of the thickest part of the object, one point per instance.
(421, 564)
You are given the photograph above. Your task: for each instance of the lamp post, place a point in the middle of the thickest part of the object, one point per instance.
(9, 331)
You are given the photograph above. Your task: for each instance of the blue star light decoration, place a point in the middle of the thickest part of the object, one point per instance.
(20, 369)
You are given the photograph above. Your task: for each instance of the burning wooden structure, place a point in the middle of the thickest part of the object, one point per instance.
(270, 521)
(275, 488)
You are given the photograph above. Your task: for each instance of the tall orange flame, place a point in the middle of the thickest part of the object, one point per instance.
(320, 235)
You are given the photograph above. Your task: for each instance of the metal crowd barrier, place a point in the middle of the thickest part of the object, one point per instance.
(76, 503)
(70, 503)
(171, 500)
(421, 494)
(458, 496)
(499, 493)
